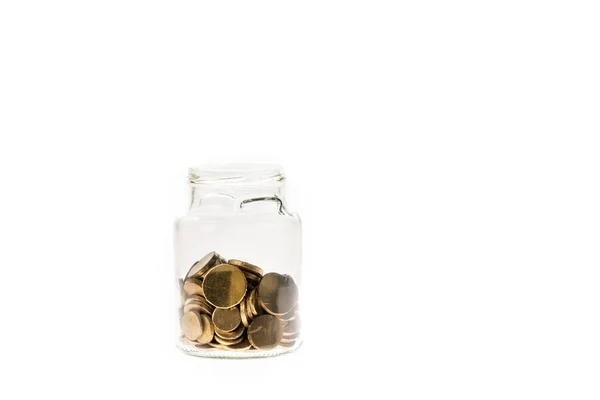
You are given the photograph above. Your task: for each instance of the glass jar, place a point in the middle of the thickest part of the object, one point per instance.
(238, 252)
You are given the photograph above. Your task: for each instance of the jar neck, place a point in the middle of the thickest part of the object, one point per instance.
(203, 195)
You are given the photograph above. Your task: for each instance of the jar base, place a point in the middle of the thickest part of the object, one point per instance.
(218, 353)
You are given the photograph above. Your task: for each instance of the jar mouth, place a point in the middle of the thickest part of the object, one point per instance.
(236, 174)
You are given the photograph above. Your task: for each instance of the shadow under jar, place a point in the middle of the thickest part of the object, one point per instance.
(238, 253)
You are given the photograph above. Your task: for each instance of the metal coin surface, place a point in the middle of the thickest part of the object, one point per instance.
(246, 266)
(226, 319)
(228, 342)
(193, 286)
(243, 316)
(265, 332)
(207, 330)
(292, 327)
(243, 345)
(289, 315)
(191, 325)
(287, 344)
(231, 335)
(224, 286)
(277, 293)
(201, 267)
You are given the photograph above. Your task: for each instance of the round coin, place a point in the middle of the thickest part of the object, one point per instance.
(243, 345)
(207, 330)
(287, 344)
(243, 316)
(191, 325)
(201, 267)
(231, 335)
(277, 294)
(265, 332)
(246, 266)
(228, 342)
(193, 286)
(224, 286)
(226, 319)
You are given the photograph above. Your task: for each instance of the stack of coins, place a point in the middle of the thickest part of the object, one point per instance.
(231, 305)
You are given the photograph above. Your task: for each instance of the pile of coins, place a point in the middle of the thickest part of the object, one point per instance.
(231, 305)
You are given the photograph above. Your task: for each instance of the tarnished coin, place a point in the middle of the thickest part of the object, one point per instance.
(265, 332)
(245, 266)
(243, 345)
(226, 319)
(224, 286)
(243, 316)
(191, 325)
(228, 342)
(207, 330)
(277, 294)
(239, 331)
(193, 286)
(200, 268)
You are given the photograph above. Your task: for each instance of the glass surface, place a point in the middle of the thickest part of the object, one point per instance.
(239, 212)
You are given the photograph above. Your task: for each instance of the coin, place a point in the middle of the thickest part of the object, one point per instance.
(265, 332)
(286, 344)
(292, 327)
(231, 335)
(277, 294)
(226, 319)
(253, 306)
(249, 314)
(191, 325)
(193, 286)
(207, 330)
(199, 304)
(245, 266)
(243, 345)
(228, 342)
(202, 266)
(289, 315)
(243, 316)
(224, 286)
(290, 336)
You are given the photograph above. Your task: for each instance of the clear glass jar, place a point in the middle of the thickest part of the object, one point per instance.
(238, 253)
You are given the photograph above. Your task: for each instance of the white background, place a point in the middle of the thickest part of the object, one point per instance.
(444, 157)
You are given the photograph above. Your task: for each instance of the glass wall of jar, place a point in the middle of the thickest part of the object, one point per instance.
(238, 253)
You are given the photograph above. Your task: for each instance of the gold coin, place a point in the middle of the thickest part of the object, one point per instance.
(200, 306)
(265, 332)
(193, 286)
(191, 325)
(200, 268)
(200, 300)
(188, 342)
(226, 319)
(253, 306)
(290, 336)
(287, 344)
(292, 327)
(231, 335)
(181, 291)
(243, 316)
(243, 345)
(216, 345)
(245, 266)
(224, 286)
(228, 342)
(289, 315)
(277, 294)
(207, 330)
(249, 314)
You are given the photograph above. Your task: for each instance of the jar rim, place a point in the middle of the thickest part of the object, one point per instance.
(235, 174)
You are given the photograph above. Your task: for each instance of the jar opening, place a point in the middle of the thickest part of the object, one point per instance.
(236, 174)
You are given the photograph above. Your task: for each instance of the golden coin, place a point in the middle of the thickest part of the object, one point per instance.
(289, 315)
(216, 345)
(228, 342)
(188, 342)
(200, 268)
(193, 286)
(191, 325)
(249, 314)
(243, 345)
(200, 306)
(253, 305)
(231, 335)
(226, 319)
(243, 316)
(265, 332)
(292, 327)
(200, 300)
(287, 344)
(207, 330)
(277, 294)
(224, 286)
(290, 336)
(246, 266)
